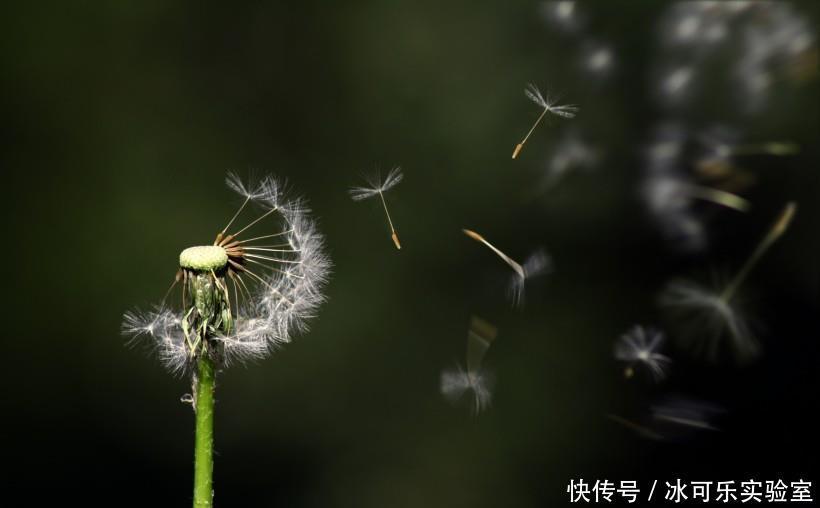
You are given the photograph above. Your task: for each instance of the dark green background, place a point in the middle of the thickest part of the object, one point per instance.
(119, 122)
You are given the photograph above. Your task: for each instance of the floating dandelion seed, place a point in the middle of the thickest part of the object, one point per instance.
(536, 264)
(571, 153)
(561, 14)
(675, 418)
(378, 187)
(241, 298)
(720, 146)
(640, 346)
(457, 381)
(550, 106)
(676, 413)
(641, 430)
(670, 193)
(708, 314)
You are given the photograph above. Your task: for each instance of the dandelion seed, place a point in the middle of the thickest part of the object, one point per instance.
(681, 412)
(561, 14)
(597, 59)
(720, 145)
(550, 106)
(536, 264)
(455, 382)
(379, 187)
(236, 304)
(674, 418)
(641, 430)
(640, 346)
(572, 152)
(670, 193)
(709, 314)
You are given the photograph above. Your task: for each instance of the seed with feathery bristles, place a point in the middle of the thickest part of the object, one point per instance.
(377, 187)
(538, 263)
(683, 412)
(457, 381)
(640, 346)
(550, 106)
(707, 314)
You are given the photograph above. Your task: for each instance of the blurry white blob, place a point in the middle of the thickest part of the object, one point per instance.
(597, 59)
(764, 42)
(572, 152)
(538, 263)
(457, 381)
(675, 83)
(639, 347)
(562, 15)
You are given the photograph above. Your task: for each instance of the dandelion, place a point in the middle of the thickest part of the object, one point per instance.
(640, 346)
(457, 381)
(536, 264)
(379, 187)
(549, 105)
(710, 314)
(241, 298)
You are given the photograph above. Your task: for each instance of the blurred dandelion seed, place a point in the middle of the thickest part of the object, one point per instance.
(571, 153)
(639, 346)
(536, 264)
(455, 382)
(708, 314)
(550, 106)
(641, 430)
(684, 412)
(379, 187)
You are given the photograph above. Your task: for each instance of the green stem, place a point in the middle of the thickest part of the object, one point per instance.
(203, 455)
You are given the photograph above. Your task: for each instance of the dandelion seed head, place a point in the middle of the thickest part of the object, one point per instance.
(263, 281)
